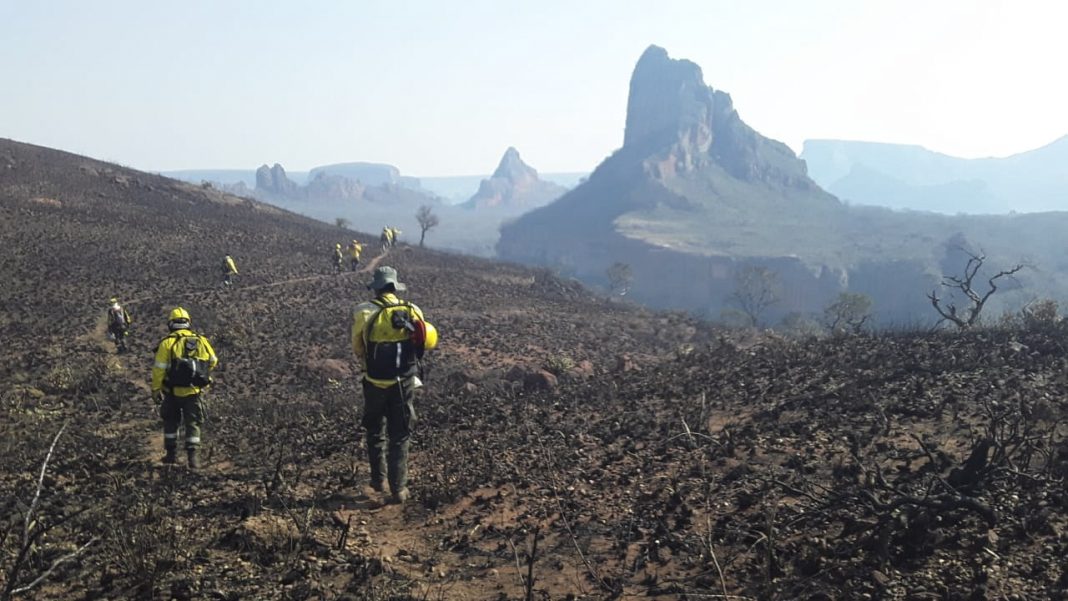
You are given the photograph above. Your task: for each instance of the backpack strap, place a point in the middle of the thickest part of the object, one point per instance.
(178, 338)
(382, 305)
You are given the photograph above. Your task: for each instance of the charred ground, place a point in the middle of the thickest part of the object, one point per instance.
(653, 458)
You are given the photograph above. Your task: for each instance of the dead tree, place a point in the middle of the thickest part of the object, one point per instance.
(619, 278)
(427, 219)
(968, 316)
(848, 313)
(755, 290)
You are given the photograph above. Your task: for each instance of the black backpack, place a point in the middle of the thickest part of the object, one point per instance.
(116, 318)
(387, 339)
(190, 363)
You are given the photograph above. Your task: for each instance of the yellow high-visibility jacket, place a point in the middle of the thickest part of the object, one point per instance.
(165, 353)
(355, 250)
(230, 265)
(363, 312)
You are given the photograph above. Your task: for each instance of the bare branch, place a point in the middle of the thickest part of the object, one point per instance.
(965, 284)
(40, 484)
(55, 564)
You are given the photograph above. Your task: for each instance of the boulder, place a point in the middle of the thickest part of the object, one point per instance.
(540, 380)
(531, 379)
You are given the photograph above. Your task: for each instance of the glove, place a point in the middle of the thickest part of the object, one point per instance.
(157, 404)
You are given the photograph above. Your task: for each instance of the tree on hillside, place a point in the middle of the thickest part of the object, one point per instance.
(427, 220)
(968, 316)
(342, 222)
(755, 290)
(848, 313)
(619, 278)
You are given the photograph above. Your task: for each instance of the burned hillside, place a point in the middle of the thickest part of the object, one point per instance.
(601, 449)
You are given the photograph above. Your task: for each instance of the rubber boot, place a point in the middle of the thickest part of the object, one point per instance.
(194, 458)
(397, 470)
(400, 496)
(171, 457)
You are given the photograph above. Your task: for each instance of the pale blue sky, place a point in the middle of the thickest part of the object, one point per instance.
(442, 88)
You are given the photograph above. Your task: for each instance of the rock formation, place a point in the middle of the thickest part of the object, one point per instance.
(683, 125)
(333, 187)
(368, 174)
(514, 186)
(272, 182)
(695, 194)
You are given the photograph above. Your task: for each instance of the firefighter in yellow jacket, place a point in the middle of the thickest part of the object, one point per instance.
(339, 258)
(181, 373)
(389, 336)
(355, 250)
(229, 270)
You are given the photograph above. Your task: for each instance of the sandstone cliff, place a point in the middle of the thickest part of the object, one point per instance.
(272, 182)
(514, 186)
(695, 193)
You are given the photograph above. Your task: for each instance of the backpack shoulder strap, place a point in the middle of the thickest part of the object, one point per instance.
(382, 305)
(178, 338)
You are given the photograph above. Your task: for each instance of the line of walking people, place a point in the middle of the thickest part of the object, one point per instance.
(388, 335)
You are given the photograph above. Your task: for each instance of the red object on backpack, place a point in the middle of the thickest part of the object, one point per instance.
(418, 337)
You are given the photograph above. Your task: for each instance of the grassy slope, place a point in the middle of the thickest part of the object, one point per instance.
(725, 217)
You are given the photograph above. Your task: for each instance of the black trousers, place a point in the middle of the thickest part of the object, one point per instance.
(185, 411)
(388, 417)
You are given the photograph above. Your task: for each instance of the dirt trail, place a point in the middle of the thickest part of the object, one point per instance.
(97, 336)
(313, 278)
(388, 533)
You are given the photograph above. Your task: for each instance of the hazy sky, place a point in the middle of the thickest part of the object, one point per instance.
(442, 88)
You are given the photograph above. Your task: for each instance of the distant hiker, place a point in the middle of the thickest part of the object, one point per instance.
(339, 258)
(180, 375)
(389, 336)
(355, 249)
(387, 237)
(229, 270)
(118, 324)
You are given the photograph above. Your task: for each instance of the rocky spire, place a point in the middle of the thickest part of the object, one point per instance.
(513, 169)
(514, 185)
(274, 182)
(679, 125)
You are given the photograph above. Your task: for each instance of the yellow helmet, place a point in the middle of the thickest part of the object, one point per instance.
(113, 300)
(178, 314)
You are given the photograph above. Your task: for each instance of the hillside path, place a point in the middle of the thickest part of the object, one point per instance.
(97, 336)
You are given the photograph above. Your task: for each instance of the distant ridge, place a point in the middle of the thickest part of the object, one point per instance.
(906, 176)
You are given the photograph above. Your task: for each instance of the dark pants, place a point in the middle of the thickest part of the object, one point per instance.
(354, 263)
(187, 411)
(119, 334)
(388, 415)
